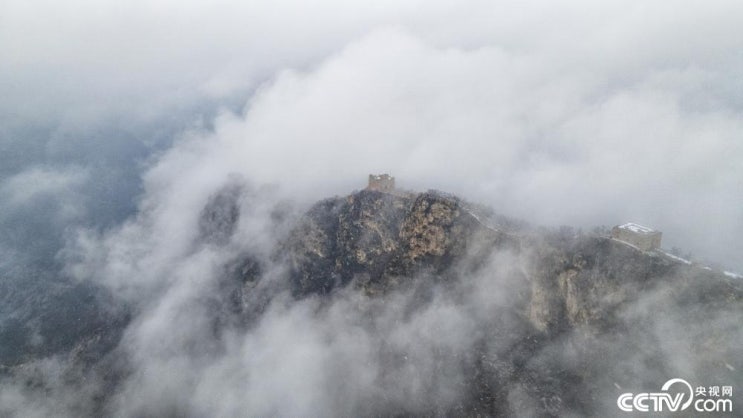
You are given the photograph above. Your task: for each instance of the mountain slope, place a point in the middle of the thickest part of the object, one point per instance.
(415, 304)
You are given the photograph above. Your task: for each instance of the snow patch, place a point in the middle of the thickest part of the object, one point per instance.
(636, 228)
(677, 258)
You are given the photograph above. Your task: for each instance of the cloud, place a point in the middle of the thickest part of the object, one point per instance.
(23, 189)
(516, 104)
(560, 113)
(347, 354)
(571, 146)
(35, 205)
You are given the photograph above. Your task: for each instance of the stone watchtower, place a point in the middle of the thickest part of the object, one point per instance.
(381, 182)
(640, 236)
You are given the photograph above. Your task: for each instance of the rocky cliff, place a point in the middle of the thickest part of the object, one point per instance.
(550, 322)
(376, 239)
(561, 292)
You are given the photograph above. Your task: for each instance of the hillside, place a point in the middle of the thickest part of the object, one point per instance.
(462, 312)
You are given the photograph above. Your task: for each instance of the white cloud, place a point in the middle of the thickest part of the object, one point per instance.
(559, 112)
(504, 128)
(26, 189)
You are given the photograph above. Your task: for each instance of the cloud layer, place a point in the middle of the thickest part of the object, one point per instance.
(562, 113)
(118, 123)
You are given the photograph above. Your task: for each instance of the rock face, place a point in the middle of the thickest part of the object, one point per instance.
(220, 215)
(377, 238)
(561, 320)
(587, 294)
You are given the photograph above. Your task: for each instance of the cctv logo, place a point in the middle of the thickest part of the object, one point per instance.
(629, 402)
(664, 401)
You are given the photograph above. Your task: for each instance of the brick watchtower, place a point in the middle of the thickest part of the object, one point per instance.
(381, 182)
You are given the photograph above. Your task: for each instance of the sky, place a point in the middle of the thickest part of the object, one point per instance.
(560, 113)
(118, 121)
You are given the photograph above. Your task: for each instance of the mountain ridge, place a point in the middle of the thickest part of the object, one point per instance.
(546, 305)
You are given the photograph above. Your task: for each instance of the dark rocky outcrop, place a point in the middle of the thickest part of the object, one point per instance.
(378, 239)
(574, 315)
(588, 295)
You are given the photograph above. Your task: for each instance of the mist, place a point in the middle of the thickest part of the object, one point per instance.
(120, 123)
(568, 113)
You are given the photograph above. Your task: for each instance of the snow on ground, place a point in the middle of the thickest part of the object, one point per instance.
(677, 258)
(636, 228)
(477, 218)
(626, 243)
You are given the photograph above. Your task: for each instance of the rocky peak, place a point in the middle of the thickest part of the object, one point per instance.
(378, 240)
(375, 238)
